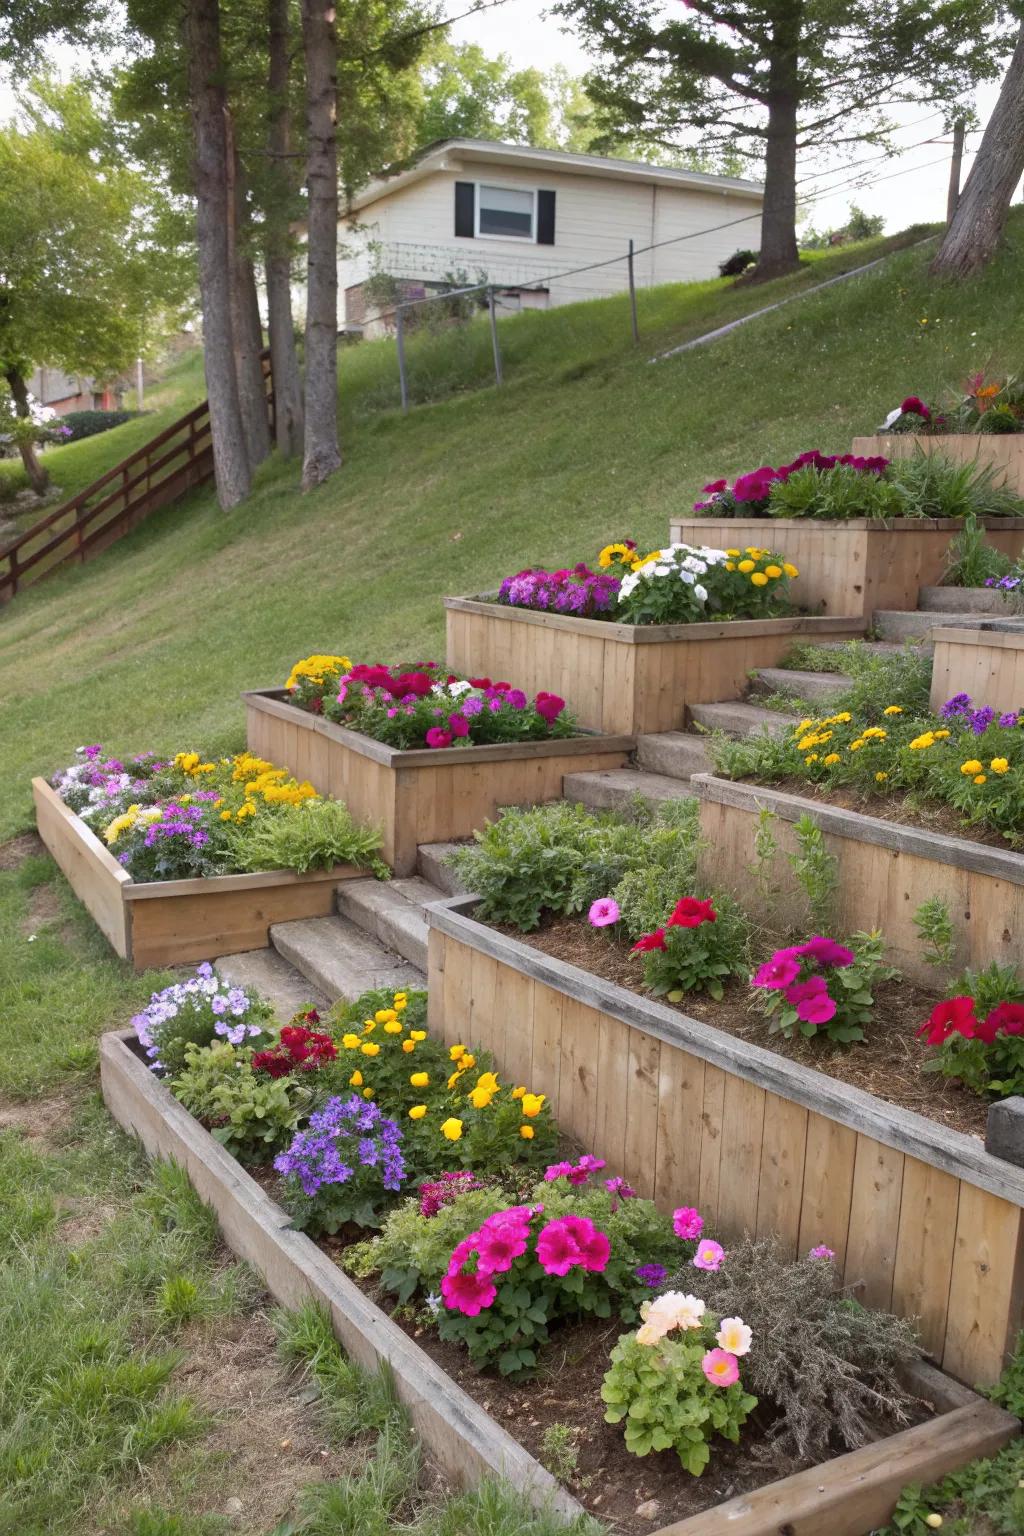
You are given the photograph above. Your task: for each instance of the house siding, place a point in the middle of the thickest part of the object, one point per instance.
(410, 233)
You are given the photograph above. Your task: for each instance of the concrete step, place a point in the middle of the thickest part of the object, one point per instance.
(964, 600)
(268, 973)
(673, 754)
(815, 687)
(430, 862)
(895, 624)
(874, 647)
(738, 719)
(339, 959)
(390, 914)
(615, 788)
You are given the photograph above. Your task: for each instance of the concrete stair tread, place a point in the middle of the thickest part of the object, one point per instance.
(738, 719)
(988, 600)
(803, 685)
(612, 789)
(898, 624)
(672, 754)
(268, 973)
(385, 911)
(875, 647)
(430, 863)
(340, 959)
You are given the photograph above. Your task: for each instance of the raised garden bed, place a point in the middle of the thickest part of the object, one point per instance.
(986, 663)
(847, 1495)
(856, 566)
(921, 1217)
(1003, 453)
(627, 677)
(420, 796)
(171, 922)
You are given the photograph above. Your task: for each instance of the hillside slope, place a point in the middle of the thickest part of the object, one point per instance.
(151, 645)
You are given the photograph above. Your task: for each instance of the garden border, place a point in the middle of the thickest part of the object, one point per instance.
(987, 663)
(420, 796)
(690, 1114)
(624, 677)
(860, 1487)
(172, 922)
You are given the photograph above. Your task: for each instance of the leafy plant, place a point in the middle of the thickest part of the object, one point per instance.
(823, 988)
(197, 1012)
(981, 1046)
(702, 944)
(996, 983)
(1008, 1391)
(766, 851)
(559, 1451)
(971, 561)
(934, 924)
(248, 1112)
(816, 871)
(316, 834)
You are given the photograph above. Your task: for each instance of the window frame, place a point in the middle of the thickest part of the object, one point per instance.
(479, 234)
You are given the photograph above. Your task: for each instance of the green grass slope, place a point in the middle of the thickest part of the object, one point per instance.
(588, 440)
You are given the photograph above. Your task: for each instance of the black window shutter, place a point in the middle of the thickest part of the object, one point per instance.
(545, 218)
(465, 208)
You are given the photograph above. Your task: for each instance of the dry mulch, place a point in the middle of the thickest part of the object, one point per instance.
(889, 1062)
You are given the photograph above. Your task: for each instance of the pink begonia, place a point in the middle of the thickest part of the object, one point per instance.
(709, 1255)
(468, 1294)
(822, 1251)
(687, 1222)
(720, 1368)
(778, 972)
(603, 912)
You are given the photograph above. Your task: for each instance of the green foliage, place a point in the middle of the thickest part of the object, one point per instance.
(816, 871)
(934, 925)
(851, 988)
(987, 1066)
(559, 1451)
(878, 678)
(971, 560)
(995, 983)
(702, 958)
(250, 1113)
(467, 94)
(1009, 1390)
(667, 1401)
(925, 485)
(986, 1496)
(766, 851)
(85, 424)
(354, 1400)
(315, 834)
(859, 226)
(345, 1015)
(559, 858)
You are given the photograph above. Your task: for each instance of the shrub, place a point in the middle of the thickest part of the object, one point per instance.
(250, 1113)
(828, 1365)
(196, 1012)
(702, 944)
(737, 263)
(90, 423)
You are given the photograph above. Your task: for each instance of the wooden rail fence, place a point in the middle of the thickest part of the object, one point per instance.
(162, 471)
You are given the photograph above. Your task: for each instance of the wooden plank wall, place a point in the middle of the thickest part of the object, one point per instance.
(987, 665)
(1005, 455)
(174, 930)
(92, 872)
(907, 1236)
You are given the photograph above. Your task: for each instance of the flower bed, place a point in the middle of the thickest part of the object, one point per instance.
(981, 424)
(157, 878)
(513, 754)
(987, 664)
(683, 1338)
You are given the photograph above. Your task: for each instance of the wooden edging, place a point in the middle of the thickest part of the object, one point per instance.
(962, 1156)
(464, 1439)
(851, 1492)
(849, 524)
(961, 853)
(272, 701)
(999, 634)
(653, 634)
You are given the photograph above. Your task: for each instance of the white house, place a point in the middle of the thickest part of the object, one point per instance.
(521, 216)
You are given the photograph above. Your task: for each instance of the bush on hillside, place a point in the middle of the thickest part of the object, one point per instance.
(89, 423)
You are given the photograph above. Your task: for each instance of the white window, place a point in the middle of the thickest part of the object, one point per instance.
(506, 212)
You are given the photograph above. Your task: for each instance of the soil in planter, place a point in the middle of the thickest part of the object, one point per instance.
(889, 1062)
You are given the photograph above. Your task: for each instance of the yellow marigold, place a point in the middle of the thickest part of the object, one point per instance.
(735, 553)
(370, 1048)
(186, 762)
(466, 1060)
(369, 1026)
(855, 746)
(893, 709)
(730, 565)
(843, 718)
(417, 1112)
(452, 1129)
(880, 778)
(752, 549)
(874, 733)
(400, 1003)
(408, 1045)
(759, 579)
(225, 815)
(356, 1080)
(420, 1079)
(120, 824)
(526, 1132)
(417, 1034)
(833, 757)
(920, 743)
(971, 767)
(317, 668)
(351, 1042)
(805, 725)
(384, 1016)
(940, 735)
(774, 571)
(488, 1080)
(812, 757)
(980, 778)
(392, 1027)
(746, 566)
(533, 1103)
(806, 743)
(1000, 765)
(454, 1079)
(790, 569)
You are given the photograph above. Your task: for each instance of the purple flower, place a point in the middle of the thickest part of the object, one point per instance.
(1009, 720)
(652, 1275)
(959, 704)
(821, 1252)
(981, 719)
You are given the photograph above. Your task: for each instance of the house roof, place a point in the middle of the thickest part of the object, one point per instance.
(457, 154)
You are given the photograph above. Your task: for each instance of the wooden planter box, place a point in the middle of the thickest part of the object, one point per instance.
(986, 663)
(845, 1496)
(856, 566)
(1003, 454)
(173, 922)
(623, 677)
(422, 796)
(922, 1219)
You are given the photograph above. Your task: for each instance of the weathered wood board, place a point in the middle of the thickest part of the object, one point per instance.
(987, 664)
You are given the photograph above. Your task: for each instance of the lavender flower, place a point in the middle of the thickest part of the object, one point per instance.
(352, 1128)
(651, 1275)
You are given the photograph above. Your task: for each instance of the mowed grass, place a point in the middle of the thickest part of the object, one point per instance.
(151, 645)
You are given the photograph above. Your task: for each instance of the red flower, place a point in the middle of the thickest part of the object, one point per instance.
(912, 406)
(655, 940)
(1005, 1017)
(953, 1016)
(549, 706)
(690, 913)
(714, 486)
(276, 1063)
(480, 682)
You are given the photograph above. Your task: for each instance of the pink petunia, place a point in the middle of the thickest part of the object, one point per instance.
(709, 1255)
(826, 952)
(499, 1244)
(816, 1010)
(687, 1223)
(468, 1294)
(603, 912)
(458, 725)
(778, 972)
(461, 1252)
(593, 1245)
(720, 1368)
(557, 1249)
(438, 738)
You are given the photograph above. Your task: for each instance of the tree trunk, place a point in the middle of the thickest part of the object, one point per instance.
(779, 251)
(322, 455)
(284, 361)
(38, 476)
(245, 320)
(208, 107)
(977, 226)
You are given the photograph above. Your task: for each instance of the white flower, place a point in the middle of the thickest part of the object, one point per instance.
(700, 592)
(734, 1335)
(688, 577)
(892, 416)
(661, 570)
(457, 689)
(626, 586)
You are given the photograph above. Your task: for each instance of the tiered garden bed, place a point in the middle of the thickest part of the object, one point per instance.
(846, 1495)
(1003, 454)
(631, 677)
(420, 796)
(170, 922)
(985, 663)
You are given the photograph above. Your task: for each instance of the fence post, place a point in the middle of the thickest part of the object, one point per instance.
(632, 296)
(400, 341)
(494, 337)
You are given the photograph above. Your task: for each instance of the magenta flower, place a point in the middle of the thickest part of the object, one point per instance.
(594, 1247)
(687, 1223)
(817, 1009)
(778, 972)
(499, 1242)
(558, 1171)
(458, 725)
(826, 952)
(822, 1251)
(557, 1249)
(720, 1368)
(468, 1294)
(709, 1255)
(438, 738)
(603, 912)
